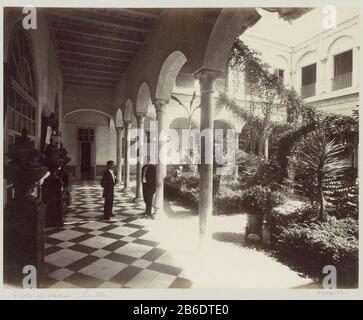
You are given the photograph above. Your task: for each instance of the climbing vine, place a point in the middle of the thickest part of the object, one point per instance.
(301, 117)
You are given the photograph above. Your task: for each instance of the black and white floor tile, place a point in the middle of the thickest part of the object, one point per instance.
(89, 252)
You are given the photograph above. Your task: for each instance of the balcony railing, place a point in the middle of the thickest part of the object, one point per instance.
(308, 90)
(342, 81)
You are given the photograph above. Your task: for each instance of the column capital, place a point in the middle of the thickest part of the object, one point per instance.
(160, 104)
(207, 78)
(127, 123)
(119, 128)
(140, 117)
(206, 72)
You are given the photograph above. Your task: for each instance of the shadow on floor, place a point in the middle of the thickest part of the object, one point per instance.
(229, 237)
(177, 210)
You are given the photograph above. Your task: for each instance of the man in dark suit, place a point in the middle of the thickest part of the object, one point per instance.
(108, 183)
(148, 185)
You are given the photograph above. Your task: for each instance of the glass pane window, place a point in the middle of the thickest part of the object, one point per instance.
(85, 135)
(308, 74)
(21, 100)
(343, 68)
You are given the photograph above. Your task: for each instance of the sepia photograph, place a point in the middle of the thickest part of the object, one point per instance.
(180, 147)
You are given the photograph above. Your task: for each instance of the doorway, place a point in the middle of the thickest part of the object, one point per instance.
(86, 153)
(86, 167)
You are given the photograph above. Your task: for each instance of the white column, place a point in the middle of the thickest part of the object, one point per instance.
(119, 154)
(207, 80)
(160, 106)
(266, 149)
(323, 82)
(356, 67)
(140, 159)
(127, 126)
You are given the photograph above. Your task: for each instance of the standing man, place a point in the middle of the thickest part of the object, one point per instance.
(52, 197)
(108, 184)
(148, 185)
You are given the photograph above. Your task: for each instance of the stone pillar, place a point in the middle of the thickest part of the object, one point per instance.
(356, 67)
(207, 80)
(322, 82)
(237, 149)
(266, 149)
(160, 105)
(119, 154)
(127, 126)
(140, 159)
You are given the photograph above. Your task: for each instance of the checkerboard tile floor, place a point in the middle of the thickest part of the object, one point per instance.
(89, 252)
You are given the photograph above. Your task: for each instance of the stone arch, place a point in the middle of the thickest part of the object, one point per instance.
(279, 58)
(305, 59)
(282, 62)
(86, 109)
(129, 112)
(339, 45)
(182, 123)
(168, 73)
(119, 119)
(345, 42)
(143, 99)
(112, 127)
(220, 42)
(305, 56)
(222, 123)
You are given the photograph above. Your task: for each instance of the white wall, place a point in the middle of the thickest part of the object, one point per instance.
(105, 135)
(319, 48)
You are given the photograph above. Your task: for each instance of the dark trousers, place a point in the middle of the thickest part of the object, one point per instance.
(108, 206)
(148, 194)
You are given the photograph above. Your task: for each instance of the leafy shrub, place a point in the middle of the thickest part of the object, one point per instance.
(229, 199)
(320, 160)
(343, 198)
(261, 199)
(247, 161)
(316, 244)
(290, 213)
(184, 186)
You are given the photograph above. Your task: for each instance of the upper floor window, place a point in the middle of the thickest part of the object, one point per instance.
(280, 73)
(249, 86)
(343, 67)
(308, 81)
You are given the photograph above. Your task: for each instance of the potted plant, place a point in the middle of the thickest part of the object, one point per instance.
(257, 201)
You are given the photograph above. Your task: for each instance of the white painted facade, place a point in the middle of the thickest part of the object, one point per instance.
(319, 49)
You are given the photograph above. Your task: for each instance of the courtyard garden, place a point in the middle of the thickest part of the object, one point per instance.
(305, 193)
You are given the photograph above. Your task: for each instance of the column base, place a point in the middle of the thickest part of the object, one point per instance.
(159, 214)
(138, 199)
(126, 190)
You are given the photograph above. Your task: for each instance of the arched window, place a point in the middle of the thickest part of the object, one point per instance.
(21, 98)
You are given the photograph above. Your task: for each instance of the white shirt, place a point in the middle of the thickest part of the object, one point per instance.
(144, 174)
(112, 174)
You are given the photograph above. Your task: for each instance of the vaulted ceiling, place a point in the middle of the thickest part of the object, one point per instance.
(95, 46)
